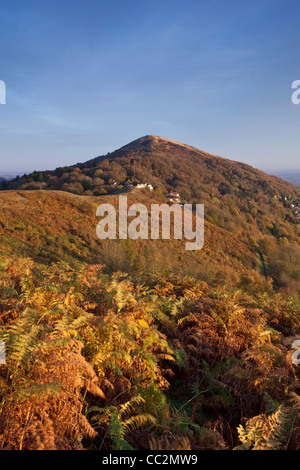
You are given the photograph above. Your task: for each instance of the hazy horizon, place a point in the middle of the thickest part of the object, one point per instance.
(291, 175)
(294, 173)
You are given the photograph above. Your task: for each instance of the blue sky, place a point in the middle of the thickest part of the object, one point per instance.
(85, 77)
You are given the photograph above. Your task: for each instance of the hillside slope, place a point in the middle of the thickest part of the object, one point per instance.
(249, 210)
(235, 194)
(53, 226)
(122, 344)
(125, 345)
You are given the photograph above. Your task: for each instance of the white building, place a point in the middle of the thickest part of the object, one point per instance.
(144, 186)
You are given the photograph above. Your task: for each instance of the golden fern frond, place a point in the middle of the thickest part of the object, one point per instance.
(295, 399)
(93, 388)
(130, 405)
(267, 432)
(70, 326)
(139, 421)
(85, 427)
(22, 343)
(27, 288)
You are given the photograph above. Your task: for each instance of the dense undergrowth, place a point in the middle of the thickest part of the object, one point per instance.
(141, 345)
(112, 361)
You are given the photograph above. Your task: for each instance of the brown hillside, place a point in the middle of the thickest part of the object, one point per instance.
(51, 226)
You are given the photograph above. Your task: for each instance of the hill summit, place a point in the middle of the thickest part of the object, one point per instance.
(169, 165)
(153, 141)
(260, 209)
(140, 344)
(236, 195)
(150, 143)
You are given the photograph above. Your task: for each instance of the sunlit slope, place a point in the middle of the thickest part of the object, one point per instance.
(237, 196)
(54, 226)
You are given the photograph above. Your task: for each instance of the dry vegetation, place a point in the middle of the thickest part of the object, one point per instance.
(141, 345)
(99, 361)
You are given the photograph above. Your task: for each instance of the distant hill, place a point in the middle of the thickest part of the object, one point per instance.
(162, 162)
(237, 197)
(141, 344)
(8, 176)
